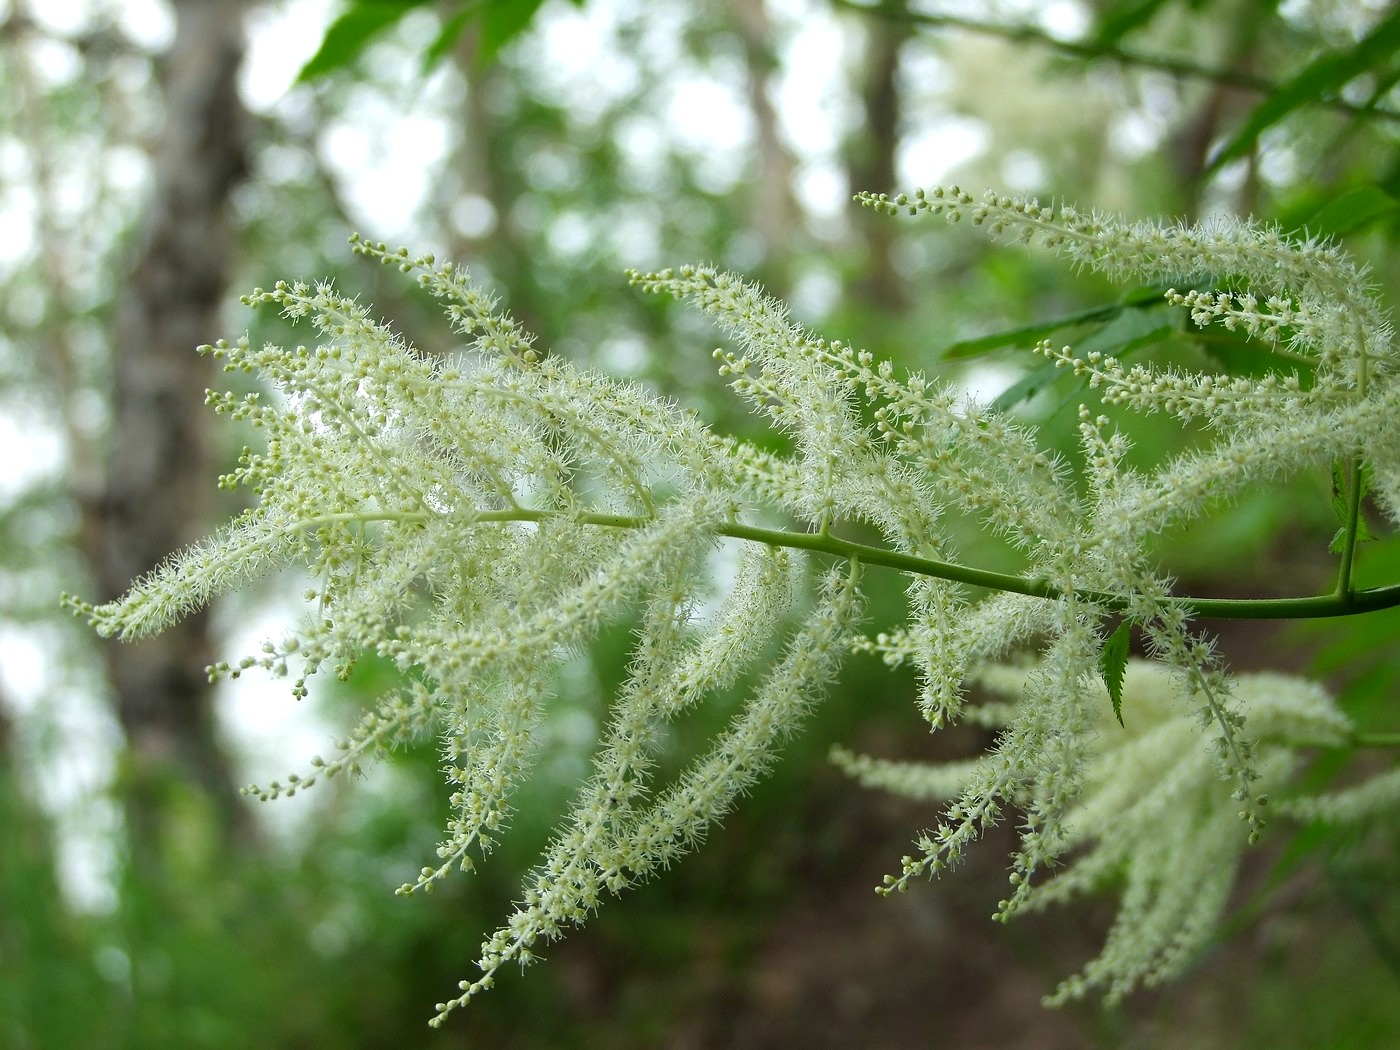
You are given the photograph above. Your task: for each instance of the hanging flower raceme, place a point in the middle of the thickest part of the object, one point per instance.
(477, 520)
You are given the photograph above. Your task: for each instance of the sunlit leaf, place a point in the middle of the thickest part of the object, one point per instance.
(349, 35)
(501, 22)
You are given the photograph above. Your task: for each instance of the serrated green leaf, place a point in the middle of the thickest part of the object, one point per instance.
(1322, 78)
(1341, 504)
(349, 35)
(1338, 541)
(1339, 488)
(1113, 665)
(1363, 535)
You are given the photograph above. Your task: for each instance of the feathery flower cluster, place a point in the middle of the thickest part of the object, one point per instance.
(476, 520)
(1152, 811)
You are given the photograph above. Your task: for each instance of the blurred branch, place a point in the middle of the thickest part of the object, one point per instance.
(1097, 50)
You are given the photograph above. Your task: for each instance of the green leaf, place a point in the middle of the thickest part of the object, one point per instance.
(452, 30)
(1341, 505)
(1325, 76)
(349, 35)
(1031, 333)
(1353, 210)
(1136, 299)
(1113, 664)
(1127, 331)
(362, 21)
(1123, 16)
(1363, 535)
(502, 22)
(1025, 388)
(1339, 489)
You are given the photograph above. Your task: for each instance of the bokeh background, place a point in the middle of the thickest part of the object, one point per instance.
(159, 158)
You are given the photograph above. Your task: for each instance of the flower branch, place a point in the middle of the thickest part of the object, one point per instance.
(477, 520)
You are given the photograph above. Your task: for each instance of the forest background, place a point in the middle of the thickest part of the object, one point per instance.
(157, 161)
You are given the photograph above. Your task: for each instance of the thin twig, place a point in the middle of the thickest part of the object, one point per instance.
(1029, 34)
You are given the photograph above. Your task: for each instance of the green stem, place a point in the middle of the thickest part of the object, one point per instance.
(1344, 588)
(1201, 608)
(1350, 603)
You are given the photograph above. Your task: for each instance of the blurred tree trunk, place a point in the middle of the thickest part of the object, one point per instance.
(480, 169)
(872, 159)
(153, 498)
(773, 213)
(1218, 110)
